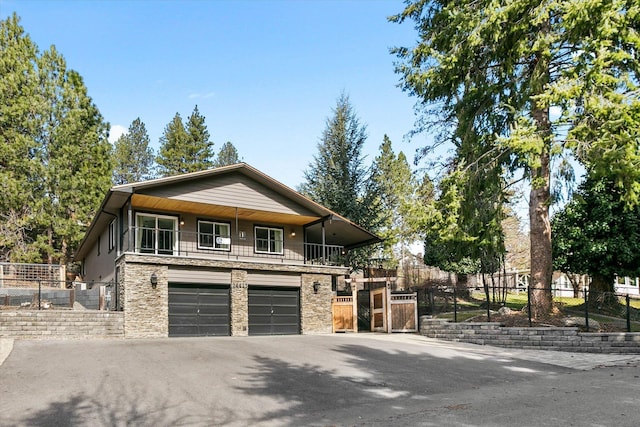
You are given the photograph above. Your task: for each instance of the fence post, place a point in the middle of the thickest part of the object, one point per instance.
(455, 305)
(39, 294)
(628, 314)
(529, 304)
(586, 309)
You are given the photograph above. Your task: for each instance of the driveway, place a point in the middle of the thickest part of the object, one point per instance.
(330, 380)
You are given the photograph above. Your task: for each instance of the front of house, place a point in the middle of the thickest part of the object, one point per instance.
(226, 251)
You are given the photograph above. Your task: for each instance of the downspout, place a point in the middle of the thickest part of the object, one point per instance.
(130, 229)
(324, 247)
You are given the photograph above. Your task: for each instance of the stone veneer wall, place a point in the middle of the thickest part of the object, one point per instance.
(315, 309)
(239, 303)
(146, 309)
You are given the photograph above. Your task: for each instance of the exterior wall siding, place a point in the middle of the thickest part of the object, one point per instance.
(98, 264)
(146, 309)
(315, 308)
(234, 189)
(239, 303)
(202, 276)
(273, 279)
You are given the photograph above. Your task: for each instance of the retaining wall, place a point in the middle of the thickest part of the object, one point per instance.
(52, 324)
(543, 338)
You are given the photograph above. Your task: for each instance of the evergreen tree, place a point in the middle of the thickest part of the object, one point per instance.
(398, 199)
(185, 149)
(132, 155)
(228, 155)
(20, 168)
(496, 70)
(338, 178)
(54, 154)
(596, 234)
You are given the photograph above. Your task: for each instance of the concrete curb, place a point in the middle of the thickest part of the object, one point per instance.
(6, 345)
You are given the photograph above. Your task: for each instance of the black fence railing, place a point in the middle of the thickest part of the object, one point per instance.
(154, 241)
(607, 311)
(34, 294)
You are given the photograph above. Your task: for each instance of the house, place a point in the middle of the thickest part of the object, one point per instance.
(226, 251)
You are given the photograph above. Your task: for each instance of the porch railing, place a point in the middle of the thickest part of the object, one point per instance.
(156, 241)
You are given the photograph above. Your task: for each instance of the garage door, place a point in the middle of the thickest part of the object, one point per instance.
(198, 310)
(274, 311)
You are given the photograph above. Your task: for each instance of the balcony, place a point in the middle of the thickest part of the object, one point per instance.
(157, 241)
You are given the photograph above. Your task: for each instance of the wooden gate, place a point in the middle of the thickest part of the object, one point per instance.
(404, 312)
(345, 314)
(379, 313)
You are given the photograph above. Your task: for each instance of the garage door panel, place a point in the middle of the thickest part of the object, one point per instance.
(274, 311)
(198, 310)
(221, 310)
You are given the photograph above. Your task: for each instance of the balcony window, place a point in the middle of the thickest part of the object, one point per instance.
(214, 235)
(156, 234)
(269, 240)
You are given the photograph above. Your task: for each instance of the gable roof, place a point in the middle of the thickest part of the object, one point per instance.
(295, 209)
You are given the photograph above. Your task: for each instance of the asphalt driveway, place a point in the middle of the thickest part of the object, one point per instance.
(329, 380)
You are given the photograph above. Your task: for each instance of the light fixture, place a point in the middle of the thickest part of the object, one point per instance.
(316, 286)
(154, 280)
(293, 233)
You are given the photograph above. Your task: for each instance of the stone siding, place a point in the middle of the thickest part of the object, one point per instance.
(146, 308)
(315, 308)
(239, 303)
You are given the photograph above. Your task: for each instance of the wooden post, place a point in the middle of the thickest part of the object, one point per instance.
(388, 313)
(354, 296)
(63, 276)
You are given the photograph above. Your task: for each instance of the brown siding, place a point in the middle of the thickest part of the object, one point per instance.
(204, 276)
(235, 190)
(271, 279)
(100, 268)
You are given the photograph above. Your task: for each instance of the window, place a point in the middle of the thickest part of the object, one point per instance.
(112, 235)
(156, 234)
(214, 235)
(269, 240)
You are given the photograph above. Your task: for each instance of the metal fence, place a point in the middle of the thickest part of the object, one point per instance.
(37, 294)
(591, 311)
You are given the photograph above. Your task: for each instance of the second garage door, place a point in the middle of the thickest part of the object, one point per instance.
(274, 311)
(198, 310)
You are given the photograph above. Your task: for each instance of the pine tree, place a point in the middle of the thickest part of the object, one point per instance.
(185, 149)
(132, 156)
(397, 190)
(54, 151)
(338, 178)
(228, 155)
(19, 166)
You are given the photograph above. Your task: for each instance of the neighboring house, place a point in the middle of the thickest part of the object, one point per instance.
(226, 251)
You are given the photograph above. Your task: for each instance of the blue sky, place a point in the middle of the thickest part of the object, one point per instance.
(265, 74)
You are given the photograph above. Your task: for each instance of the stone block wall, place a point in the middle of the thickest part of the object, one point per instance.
(239, 303)
(58, 324)
(559, 339)
(315, 308)
(146, 309)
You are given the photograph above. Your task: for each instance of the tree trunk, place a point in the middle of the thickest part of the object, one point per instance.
(540, 226)
(601, 292)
